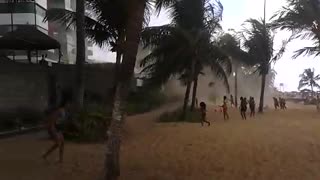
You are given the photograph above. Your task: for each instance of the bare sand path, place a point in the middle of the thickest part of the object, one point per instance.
(282, 145)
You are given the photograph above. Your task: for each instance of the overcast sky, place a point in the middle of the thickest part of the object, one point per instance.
(235, 13)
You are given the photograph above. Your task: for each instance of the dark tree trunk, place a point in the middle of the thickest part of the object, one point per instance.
(134, 26)
(186, 100)
(312, 92)
(188, 89)
(119, 53)
(194, 92)
(236, 86)
(81, 56)
(263, 85)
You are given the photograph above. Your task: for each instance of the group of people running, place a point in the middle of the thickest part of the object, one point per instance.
(243, 108)
(279, 104)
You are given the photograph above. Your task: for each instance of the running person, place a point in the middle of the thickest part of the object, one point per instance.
(243, 108)
(232, 101)
(203, 111)
(54, 131)
(225, 108)
(252, 105)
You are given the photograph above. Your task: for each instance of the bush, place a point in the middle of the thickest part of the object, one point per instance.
(175, 116)
(89, 125)
(144, 100)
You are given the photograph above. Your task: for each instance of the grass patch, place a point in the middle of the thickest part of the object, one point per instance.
(175, 116)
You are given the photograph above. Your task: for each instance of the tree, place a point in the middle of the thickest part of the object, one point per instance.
(258, 40)
(232, 47)
(309, 79)
(134, 23)
(184, 47)
(81, 56)
(302, 18)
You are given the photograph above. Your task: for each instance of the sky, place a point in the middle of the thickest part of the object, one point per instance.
(235, 13)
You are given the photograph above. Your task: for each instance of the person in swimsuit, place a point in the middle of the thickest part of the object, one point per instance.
(243, 108)
(54, 130)
(232, 101)
(225, 108)
(203, 111)
(252, 105)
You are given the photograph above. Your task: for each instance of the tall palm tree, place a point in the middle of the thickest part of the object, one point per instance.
(302, 18)
(136, 14)
(81, 56)
(232, 47)
(105, 24)
(184, 47)
(258, 40)
(308, 78)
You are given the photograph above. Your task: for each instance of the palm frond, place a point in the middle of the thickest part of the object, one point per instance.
(309, 51)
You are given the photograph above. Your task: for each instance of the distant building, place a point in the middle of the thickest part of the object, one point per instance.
(32, 13)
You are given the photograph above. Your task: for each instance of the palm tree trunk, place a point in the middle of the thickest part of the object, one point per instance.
(134, 26)
(119, 54)
(188, 89)
(194, 92)
(312, 92)
(236, 86)
(81, 56)
(263, 85)
(186, 100)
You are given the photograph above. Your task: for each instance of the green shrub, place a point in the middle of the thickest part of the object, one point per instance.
(89, 125)
(175, 116)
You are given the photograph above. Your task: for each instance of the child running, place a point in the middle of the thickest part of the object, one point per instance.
(225, 108)
(276, 103)
(243, 108)
(54, 131)
(232, 101)
(252, 105)
(203, 111)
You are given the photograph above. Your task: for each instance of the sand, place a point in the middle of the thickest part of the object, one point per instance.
(276, 145)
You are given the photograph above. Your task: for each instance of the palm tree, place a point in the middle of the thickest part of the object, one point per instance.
(258, 40)
(302, 18)
(184, 48)
(232, 47)
(308, 78)
(136, 15)
(81, 55)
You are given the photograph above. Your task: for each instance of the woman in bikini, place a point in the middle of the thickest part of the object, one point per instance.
(54, 130)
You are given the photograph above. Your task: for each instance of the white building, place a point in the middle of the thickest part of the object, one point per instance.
(32, 13)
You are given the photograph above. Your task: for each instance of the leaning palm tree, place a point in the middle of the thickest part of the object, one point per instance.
(302, 18)
(309, 79)
(258, 40)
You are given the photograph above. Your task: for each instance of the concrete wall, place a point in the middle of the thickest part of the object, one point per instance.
(25, 85)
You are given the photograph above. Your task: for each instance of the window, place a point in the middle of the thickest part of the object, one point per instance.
(42, 3)
(41, 13)
(24, 7)
(24, 18)
(5, 19)
(4, 8)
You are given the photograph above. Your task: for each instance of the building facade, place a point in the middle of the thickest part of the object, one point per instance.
(32, 13)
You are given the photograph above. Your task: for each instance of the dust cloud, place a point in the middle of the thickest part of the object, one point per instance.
(211, 89)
